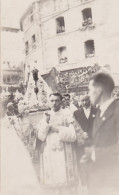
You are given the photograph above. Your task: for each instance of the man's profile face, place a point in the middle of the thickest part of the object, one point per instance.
(63, 102)
(55, 102)
(94, 93)
(85, 101)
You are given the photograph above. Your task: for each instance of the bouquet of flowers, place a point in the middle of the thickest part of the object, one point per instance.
(18, 96)
(23, 108)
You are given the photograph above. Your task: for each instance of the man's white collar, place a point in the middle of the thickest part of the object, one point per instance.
(105, 105)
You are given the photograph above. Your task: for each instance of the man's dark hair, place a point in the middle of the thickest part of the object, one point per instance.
(56, 94)
(67, 95)
(105, 80)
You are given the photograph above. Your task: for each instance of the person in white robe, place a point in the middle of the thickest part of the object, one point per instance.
(17, 173)
(58, 163)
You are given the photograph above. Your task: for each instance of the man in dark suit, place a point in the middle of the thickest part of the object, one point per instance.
(104, 167)
(85, 115)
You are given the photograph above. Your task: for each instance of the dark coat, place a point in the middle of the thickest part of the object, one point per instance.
(106, 128)
(86, 124)
(104, 172)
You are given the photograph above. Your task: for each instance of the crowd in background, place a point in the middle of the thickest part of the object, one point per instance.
(78, 106)
(16, 106)
(72, 100)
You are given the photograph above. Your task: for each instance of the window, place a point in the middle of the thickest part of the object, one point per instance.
(62, 54)
(4, 78)
(87, 17)
(27, 47)
(60, 25)
(89, 49)
(8, 79)
(34, 41)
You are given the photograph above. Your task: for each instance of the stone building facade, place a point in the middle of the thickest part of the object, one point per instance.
(12, 57)
(72, 34)
(30, 25)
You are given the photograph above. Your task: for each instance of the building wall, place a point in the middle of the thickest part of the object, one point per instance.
(34, 55)
(104, 31)
(12, 56)
(72, 38)
(12, 46)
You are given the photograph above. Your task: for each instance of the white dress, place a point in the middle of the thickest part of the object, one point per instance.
(17, 173)
(58, 164)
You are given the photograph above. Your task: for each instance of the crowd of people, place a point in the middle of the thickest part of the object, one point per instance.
(11, 100)
(77, 141)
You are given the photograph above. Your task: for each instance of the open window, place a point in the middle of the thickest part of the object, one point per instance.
(87, 17)
(62, 54)
(33, 41)
(27, 47)
(60, 25)
(8, 79)
(4, 78)
(89, 49)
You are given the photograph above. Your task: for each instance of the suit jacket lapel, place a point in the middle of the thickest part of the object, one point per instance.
(99, 121)
(91, 113)
(82, 115)
(96, 123)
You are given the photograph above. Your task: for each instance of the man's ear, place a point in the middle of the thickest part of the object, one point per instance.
(99, 90)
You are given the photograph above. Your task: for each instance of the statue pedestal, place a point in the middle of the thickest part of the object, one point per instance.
(29, 125)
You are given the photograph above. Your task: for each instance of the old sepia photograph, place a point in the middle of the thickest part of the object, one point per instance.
(59, 97)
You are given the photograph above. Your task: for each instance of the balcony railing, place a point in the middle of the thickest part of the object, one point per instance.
(87, 26)
(63, 60)
(87, 22)
(90, 55)
(60, 29)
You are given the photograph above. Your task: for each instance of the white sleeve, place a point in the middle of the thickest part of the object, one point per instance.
(43, 129)
(67, 134)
